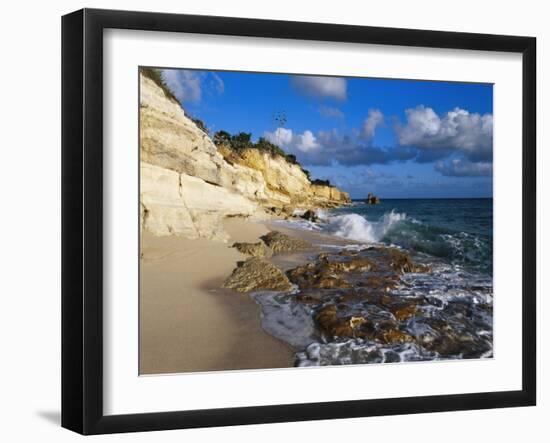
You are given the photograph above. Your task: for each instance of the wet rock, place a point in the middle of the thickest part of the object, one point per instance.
(394, 336)
(329, 272)
(454, 337)
(279, 242)
(258, 249)
(348, 252)
(350, 264)
(372, 199)
(403, 311)
(313, 275)
(257, 274)
(333, 325)
(310, 215)
(402, 262)
(383, 283)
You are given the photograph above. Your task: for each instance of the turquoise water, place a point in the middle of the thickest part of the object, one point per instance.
(459, 231)
(452, 237)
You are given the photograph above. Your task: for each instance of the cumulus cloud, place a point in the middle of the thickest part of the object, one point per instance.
(189, 86)
(373, 120)
(457, 130)
(287, 139)
(426, 137)
(330, 112)
(330, 147)
(281, 136)
(464, 168)
(320, 87)
(307, 142)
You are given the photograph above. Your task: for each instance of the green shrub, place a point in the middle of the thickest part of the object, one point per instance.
(200, 124)
(243, 140)
(320, 182)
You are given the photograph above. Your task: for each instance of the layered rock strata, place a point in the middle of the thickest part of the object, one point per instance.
(188, 185)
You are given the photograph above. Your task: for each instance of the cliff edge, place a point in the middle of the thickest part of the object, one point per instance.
(188, 184)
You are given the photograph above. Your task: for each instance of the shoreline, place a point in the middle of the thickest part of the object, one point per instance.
(181, 284)
(229, 330)
(188, 323)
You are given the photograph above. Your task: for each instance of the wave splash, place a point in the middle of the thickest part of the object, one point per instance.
(399, 229)
(358, 228)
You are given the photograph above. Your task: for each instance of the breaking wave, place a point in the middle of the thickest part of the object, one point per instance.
(358, 228)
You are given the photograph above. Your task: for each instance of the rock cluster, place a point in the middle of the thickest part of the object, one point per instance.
(257, 274)
(279, 242)
(335, 285)
(258, 249)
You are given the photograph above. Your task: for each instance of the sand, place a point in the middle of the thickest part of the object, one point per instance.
(189, 324)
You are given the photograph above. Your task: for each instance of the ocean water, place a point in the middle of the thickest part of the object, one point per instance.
(459, 231)
(454, 318)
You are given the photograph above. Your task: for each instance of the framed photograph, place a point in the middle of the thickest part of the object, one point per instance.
(269, 221)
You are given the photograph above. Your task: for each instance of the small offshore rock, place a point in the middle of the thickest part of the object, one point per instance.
(257, 274)
(310, 215)
(258, 249)
(279, 242)
(372, 199)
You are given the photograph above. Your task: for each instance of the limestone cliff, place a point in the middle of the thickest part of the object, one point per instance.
(188, 185)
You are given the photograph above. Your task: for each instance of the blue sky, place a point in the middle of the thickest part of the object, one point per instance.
(396, 138)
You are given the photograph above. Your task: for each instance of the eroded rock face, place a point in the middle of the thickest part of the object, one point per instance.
(258, 249)
(180, 159)
(178, 204)
(257, 274)
(169, 139)
(279, 242)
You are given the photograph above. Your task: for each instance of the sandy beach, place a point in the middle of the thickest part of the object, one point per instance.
(187, 322)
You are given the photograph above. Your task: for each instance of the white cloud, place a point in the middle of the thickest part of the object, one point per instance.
(458, 129)
(281, 137)
(285, 138)
(189, 86)
(464, 168)
(321, 87)
(218, 83)
(330, 147)
(307, 142)
(330, 112)
(186, 85)
(374, 119)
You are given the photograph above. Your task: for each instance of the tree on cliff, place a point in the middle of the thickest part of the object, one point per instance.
(222, 138)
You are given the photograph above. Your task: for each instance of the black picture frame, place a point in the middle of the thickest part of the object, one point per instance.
(82, 218)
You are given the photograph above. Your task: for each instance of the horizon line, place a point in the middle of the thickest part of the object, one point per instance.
(425, 198)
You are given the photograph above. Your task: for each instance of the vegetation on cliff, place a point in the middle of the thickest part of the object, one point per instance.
(243, 140)
(156, 75)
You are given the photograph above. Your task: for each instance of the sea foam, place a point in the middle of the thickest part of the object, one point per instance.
(358, 228)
